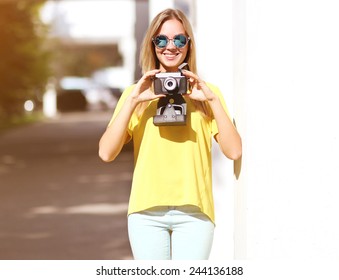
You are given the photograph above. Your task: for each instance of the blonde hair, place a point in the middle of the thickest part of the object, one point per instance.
(148, 59)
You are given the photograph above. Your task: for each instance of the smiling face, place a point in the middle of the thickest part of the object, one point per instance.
(170, 57)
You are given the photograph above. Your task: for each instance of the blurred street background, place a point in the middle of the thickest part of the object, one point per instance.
(63, 65)
(57, 199)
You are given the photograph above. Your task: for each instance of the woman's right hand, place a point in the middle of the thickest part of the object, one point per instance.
(116, 134)
(143, 91)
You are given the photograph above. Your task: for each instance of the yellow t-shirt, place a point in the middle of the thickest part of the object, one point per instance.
(172, 164)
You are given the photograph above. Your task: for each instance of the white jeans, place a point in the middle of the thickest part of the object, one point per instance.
(164, 233)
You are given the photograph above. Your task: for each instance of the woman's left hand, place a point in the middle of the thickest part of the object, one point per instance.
(200, 91)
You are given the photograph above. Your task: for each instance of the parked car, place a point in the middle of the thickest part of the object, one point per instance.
(79, 94)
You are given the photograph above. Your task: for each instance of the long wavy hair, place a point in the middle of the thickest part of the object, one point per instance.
(148, 59)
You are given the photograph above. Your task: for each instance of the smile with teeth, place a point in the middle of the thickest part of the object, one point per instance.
(170, 55)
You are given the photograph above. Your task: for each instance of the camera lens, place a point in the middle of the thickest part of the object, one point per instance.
(170, 84)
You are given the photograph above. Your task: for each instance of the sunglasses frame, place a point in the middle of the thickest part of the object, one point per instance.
(169, 40)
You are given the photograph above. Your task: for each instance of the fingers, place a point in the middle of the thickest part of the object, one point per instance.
(143, 90)
(191, 76)
(146, 80)
(151, 74)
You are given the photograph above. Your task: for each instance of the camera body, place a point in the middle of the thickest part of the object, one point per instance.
(170, 83)
(171, 109)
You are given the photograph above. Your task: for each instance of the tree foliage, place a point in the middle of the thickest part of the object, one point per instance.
(23, 59)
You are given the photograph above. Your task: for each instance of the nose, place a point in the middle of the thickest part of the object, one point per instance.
(171, 44)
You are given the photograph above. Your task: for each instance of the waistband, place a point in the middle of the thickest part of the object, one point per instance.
(181, 208)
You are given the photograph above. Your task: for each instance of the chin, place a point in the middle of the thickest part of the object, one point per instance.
(171, 67)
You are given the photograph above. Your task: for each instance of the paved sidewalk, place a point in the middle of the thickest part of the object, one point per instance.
(58, 200)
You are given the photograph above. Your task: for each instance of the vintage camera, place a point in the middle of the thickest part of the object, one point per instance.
(171, 82)
(171, 109)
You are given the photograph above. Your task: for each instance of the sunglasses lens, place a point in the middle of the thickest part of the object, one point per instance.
(180, 41)
(161, 41)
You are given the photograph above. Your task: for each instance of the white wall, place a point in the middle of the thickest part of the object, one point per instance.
(286, 91)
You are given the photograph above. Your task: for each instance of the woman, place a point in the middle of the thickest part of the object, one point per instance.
(171, 211)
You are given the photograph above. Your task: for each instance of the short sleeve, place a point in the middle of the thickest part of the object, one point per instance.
(118, 107)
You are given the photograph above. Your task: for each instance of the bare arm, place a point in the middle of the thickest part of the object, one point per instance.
(228, 137)
(116, 134)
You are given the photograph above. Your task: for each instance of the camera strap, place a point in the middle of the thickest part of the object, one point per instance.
(171, 110)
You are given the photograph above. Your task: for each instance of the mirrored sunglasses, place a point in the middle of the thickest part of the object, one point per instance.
(161, 41)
